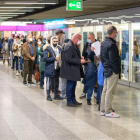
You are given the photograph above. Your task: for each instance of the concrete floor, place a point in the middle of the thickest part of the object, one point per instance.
(26, 115)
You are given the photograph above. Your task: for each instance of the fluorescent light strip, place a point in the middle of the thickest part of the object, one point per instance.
(27, 3)
(4, 17)
(16, 10)
(11, 13)
(8, 15)
(21, 7)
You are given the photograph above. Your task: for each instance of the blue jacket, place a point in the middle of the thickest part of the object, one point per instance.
(10, 44)
(49, 58)
(0, 46)
(100, 74)
(90, 71)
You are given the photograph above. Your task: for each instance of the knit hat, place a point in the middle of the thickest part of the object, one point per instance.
(66, 40)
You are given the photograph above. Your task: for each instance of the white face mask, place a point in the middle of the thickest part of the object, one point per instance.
(39, 43)
(31, 39)
(89, 41)
(79, 42)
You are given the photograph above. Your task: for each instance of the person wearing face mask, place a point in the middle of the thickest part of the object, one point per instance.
(111, 64)
(39, 61)
(5, 51)
(52, 69)
(16, 49)
(71, 68)
(90, 39)
(29, 55)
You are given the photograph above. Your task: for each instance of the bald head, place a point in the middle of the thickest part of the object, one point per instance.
(76, 39)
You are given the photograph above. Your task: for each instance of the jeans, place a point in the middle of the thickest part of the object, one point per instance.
(21, 62)
(85, 86)
(63, 86)
(11, 58)
(42, 76)
(16, 59)
(99, 93)
(91, 87)
(70, 91)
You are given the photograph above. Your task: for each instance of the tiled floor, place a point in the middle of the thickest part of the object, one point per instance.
(26, 115)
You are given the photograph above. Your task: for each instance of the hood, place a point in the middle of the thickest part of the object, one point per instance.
(52, 42)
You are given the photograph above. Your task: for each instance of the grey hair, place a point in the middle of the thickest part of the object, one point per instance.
(75, 35)
(111, 29)
(91, 34)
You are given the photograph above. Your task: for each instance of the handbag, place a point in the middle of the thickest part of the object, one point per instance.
(37, 74)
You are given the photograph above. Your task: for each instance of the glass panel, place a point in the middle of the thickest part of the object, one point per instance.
(136, 53)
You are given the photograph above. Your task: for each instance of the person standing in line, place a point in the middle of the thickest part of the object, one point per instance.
(52, 69)
(59, 34)
(111, 64)
(29, 55)
(71, 68)
(90, 39)
(63, 80)
(16, 49)
(40, 61)
(5, 51)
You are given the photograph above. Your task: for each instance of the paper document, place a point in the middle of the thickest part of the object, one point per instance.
(97, 47)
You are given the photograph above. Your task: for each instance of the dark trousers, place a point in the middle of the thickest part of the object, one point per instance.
(55, 81)
(42, 76)
(21, 63)
(28, 69)
(70, 91)
(99, 92)
(91, 87)
(17, 60)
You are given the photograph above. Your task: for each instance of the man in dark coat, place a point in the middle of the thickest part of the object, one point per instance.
(110, 61)
(71, 68)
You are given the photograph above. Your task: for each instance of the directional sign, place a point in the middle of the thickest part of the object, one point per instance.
(74, 5)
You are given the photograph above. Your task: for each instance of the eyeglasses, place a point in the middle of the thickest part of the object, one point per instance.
(55, 41)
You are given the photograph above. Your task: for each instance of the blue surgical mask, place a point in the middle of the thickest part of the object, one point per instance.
(18, 41)
(89, 41)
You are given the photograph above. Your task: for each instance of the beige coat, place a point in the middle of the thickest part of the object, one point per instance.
(17, 50)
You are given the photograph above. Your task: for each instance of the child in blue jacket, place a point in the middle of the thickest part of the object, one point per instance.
(100, 83)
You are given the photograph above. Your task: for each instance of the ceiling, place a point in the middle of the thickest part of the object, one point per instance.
(59, 10)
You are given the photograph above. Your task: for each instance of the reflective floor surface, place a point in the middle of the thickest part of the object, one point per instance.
(26, 115)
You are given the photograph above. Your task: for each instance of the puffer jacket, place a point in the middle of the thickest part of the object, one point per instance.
(110, 57)
(17, 51)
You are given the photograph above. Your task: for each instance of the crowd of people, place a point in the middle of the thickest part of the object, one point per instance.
(98, 67)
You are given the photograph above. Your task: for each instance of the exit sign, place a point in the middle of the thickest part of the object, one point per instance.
(74, 5)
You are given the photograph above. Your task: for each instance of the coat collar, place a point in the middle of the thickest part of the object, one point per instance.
(109, 38)
(76, 48)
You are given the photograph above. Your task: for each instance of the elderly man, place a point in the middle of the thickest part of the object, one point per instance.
(110, 61)
(71, 68)
(29, 55)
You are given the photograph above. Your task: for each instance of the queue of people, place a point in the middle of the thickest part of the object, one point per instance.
(99, 65)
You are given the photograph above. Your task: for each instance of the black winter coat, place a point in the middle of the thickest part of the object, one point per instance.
(71, 68)
(110, 57)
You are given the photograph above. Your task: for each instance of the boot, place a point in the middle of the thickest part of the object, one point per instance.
(89, 102)
(17, 74)
(49, 96)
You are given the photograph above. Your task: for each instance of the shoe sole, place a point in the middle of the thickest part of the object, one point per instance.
(111, 117)
(82, 97)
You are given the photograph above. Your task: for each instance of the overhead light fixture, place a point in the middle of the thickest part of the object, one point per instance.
(11, 13)
(8, 15)
(29, 3)
(4, 17)
(21, 7)
(16, 10)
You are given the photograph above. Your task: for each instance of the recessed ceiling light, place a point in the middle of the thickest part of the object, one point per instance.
(16, 10)
(11, 13)
(28, 3)
(21, 7)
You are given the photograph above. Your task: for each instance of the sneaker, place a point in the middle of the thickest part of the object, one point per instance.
(17, 74)
(25, 83)
(32, 83)
(112, 115)
(83, 95)
(76, 103)
(49, 98)
(71, 105)
(102, 113)
(64, 97)
(58, 98)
